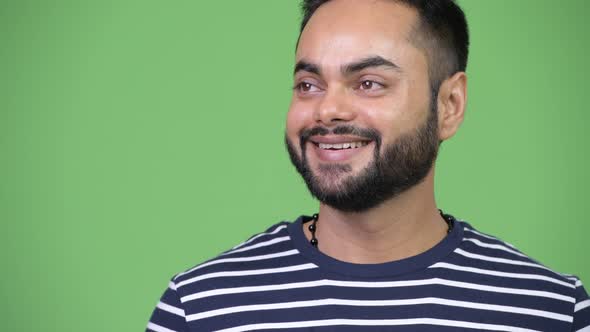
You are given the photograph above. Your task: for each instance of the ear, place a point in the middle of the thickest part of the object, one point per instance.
(451, 102)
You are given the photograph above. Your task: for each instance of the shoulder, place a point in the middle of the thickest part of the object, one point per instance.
(489, 264)
(264, 243)
(502, 258)
(263, 253)
(192, 289)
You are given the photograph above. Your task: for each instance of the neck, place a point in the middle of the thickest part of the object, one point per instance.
(404, 226)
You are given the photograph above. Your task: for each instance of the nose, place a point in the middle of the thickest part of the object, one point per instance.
(334, 108)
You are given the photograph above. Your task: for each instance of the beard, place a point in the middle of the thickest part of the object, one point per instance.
(403, 164)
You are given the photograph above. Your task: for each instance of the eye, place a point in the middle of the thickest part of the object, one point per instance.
(306, 87)
(369, 85)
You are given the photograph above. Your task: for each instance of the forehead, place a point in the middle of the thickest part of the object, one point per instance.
(341, 31)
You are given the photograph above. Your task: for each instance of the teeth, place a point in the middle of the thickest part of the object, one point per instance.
(342, 146)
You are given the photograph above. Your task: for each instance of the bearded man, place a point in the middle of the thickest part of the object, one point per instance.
(378, 86)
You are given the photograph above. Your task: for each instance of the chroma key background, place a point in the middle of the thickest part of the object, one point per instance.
(139, 138)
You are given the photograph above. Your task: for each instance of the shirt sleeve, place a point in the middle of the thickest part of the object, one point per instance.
(581, 309)
(168, 316)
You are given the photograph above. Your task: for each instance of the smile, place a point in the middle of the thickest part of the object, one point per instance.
(330, 149)
(342, 146)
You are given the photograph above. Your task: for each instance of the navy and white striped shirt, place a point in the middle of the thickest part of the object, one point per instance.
(277, 281)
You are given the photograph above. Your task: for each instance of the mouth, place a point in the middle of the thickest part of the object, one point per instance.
(330, 149)
(341, 146)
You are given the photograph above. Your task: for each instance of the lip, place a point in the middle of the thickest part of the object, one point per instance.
(343, 155)
(337, 139)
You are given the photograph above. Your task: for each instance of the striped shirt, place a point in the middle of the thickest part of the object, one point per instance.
(277, 281)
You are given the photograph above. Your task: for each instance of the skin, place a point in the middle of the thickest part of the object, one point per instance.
(392, 100)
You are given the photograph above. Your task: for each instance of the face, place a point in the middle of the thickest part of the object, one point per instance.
(361, 127)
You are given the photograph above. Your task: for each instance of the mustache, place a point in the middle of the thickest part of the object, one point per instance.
(367, 133)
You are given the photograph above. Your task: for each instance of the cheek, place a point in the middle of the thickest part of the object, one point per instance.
(386, 116)
(391, 117)
(298, 118)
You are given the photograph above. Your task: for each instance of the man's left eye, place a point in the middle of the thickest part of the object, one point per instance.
(370, 85)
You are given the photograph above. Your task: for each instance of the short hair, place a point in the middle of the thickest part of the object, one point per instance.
(441, 32)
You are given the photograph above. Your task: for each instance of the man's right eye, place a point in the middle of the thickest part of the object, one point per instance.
(305, 87)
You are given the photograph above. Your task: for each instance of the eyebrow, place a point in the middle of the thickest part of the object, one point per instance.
(351, 68)
(369, 62)
(309, 67)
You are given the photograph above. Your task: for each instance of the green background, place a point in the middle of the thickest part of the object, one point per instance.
(138, 138)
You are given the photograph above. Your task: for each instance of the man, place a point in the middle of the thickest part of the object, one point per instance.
(378, 86)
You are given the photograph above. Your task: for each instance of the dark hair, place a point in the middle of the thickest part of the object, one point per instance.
(441, 32)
